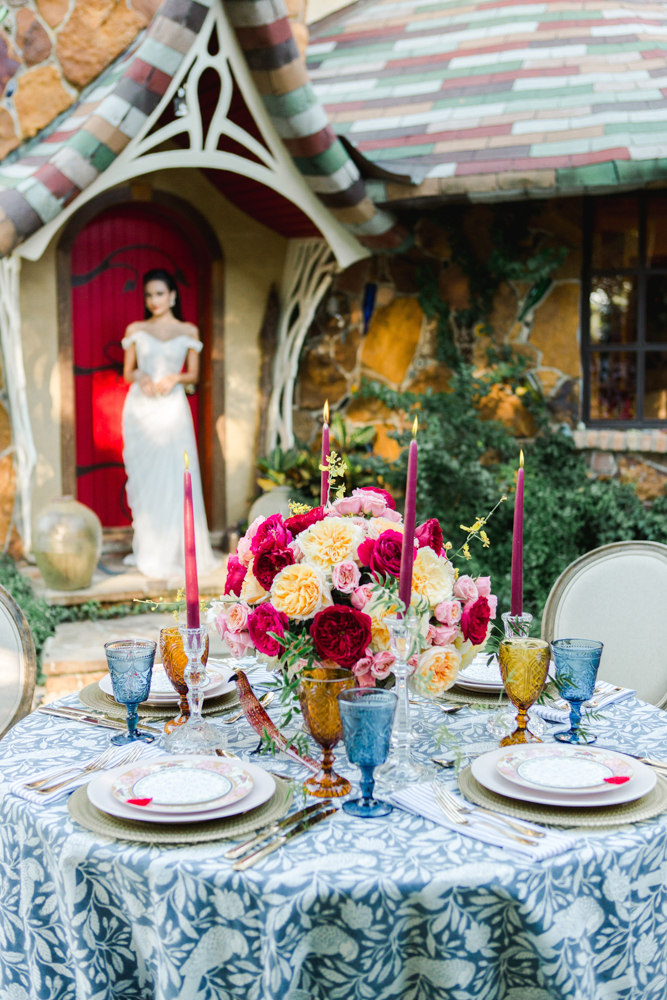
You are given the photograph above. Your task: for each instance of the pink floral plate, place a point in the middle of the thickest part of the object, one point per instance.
(183, 786)
(572, 769)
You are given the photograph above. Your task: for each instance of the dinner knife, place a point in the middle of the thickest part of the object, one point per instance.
(273, 845)
(92, 720)
(241, 849)
(97, 713)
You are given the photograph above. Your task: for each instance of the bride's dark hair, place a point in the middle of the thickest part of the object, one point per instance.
(159, 274)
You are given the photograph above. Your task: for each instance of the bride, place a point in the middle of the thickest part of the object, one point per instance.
(158, 429)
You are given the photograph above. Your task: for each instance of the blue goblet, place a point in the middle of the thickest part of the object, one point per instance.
(367, 715)
(131, 667)
(577, 662)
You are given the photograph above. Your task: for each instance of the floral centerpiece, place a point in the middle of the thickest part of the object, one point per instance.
(317, 586)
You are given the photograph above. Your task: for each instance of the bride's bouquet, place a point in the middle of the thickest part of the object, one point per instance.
(315, 589)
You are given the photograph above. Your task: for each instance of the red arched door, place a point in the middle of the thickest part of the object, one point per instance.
(109, 257)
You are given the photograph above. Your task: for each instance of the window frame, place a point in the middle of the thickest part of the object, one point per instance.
(641, 346)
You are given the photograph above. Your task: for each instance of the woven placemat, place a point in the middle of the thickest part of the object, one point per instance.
(628, 812)
(93, 696)
(475, 698)
(84, 812)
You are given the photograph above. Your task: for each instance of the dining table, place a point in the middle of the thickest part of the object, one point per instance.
(354, 909)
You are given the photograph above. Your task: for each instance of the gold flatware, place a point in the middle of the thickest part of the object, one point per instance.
(273, 845)
(518, 827)
(454, 816)
(241, 849)
(92, 718)
(100, 760)
(264, 701)
(442, 762)
(129, 758)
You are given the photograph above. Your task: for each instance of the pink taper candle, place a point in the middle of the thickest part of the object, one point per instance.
(408, 550)
(191, 584)
(324, 482)
(516, 604)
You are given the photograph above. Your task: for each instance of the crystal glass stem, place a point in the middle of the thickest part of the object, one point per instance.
(132, 720)
(195, 735)
(367, 784)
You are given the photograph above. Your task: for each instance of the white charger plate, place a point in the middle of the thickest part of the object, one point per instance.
(562, 767)
(184, 786)
(485, 771)
(162, 693)
(101, 796)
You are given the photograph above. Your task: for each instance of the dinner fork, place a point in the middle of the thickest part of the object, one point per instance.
(264, 701)
(99, 761)
(456, 817)
(525, 830)
(129, 758)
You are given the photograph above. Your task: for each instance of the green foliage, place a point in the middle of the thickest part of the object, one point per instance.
(43, 618)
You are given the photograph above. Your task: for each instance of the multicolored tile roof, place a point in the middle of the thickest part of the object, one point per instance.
(496, 99)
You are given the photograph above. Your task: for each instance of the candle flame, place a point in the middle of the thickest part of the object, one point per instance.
(187, 460)
(325, 412)
(521, 459)
(415, 427)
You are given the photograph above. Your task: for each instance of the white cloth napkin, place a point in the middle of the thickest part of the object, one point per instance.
(17, 788)
(606, 694)
(420, 799)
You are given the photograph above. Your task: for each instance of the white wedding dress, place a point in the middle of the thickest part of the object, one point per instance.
(157, 430)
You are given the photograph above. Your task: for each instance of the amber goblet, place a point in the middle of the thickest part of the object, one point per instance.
(174, 661)
(524, 664)
(319, 688)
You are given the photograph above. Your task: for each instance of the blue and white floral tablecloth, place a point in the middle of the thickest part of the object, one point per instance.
(354, 910)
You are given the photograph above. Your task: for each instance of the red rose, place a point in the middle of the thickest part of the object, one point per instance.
(236, 572)
(384, 555)
(342, 634)
(299, 522)
(475, 621)
(269, 560)
(264, 619)
(273, 528)
(430, 533)
(388, 498)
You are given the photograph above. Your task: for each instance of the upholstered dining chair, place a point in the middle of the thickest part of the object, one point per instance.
(17, 663)
(618, 595)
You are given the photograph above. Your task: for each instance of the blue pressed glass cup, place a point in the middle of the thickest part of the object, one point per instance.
(130, 664)
(577, 662)
(367, 715)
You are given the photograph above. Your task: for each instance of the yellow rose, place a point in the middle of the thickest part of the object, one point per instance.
(330, 541)
(300, 591)
(432, 577)
(251, 589)
(377, 525)
(467, 650)
(379, 631)
(436, 671)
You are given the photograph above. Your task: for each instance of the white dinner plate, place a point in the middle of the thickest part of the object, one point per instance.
(561, 767)
(162, 693)
(485, 771)
(481, 675)
(101, 796)
(183, 786)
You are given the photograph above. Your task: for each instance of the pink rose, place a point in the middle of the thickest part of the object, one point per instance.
(236, 571)
(263, 620)
(443, 635)
(465, 589)
(383, 663)
(271, 528)
(296, 550)
(244, 547)
(362, 596)
(392, 515)
(345, 576)
(237, 617)
(377, 494)
(483, 584)
(448, 612)
(362, 672)
(239, 643)
(493, 604)
(346, 505)
(370, 502)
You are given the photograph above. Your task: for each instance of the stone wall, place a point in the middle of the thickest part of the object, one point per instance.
(399, 347)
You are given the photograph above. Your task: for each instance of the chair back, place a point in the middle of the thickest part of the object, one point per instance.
(618, 595)
(17, 663)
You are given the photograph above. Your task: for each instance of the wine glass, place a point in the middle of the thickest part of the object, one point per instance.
(367, 715)
(175, 661)
(524, 664)
(130, 663)
(577, 662)
(319, 688)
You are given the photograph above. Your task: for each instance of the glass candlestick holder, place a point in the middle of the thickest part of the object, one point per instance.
(195, 735)
(401, 768)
